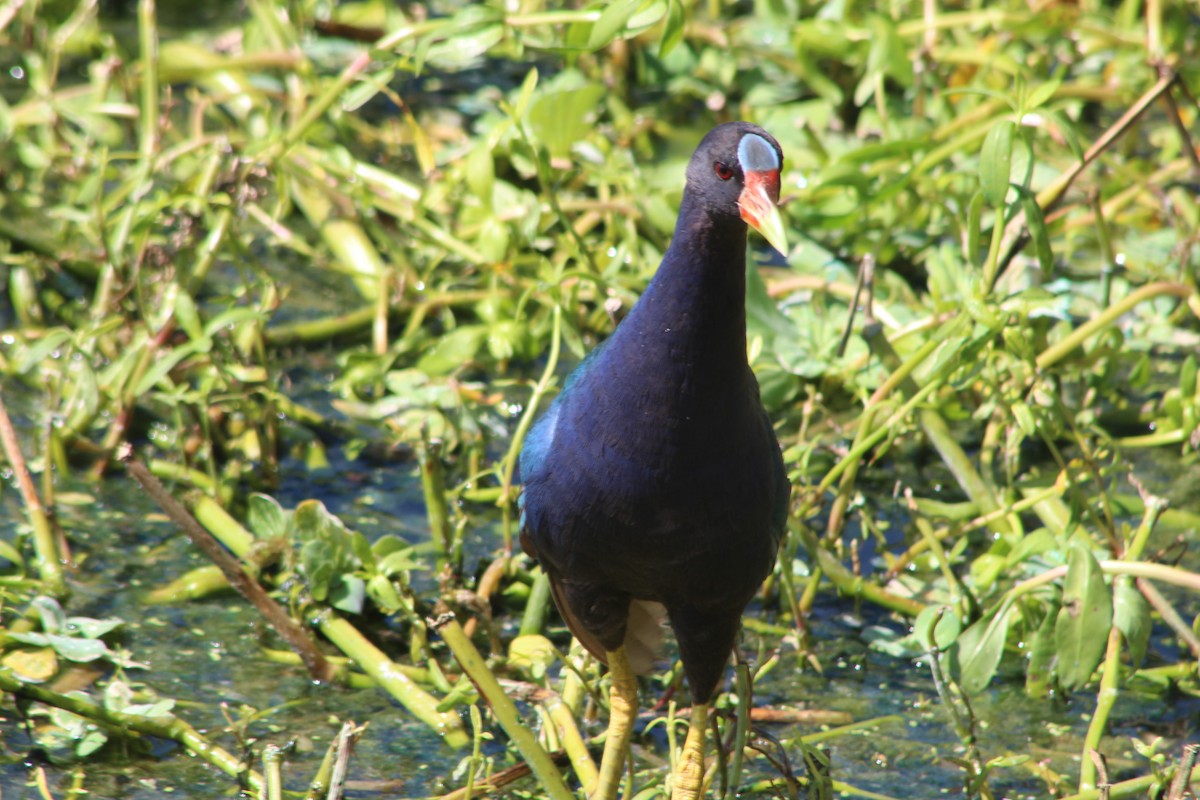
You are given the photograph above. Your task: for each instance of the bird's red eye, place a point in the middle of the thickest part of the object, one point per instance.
(723, 171)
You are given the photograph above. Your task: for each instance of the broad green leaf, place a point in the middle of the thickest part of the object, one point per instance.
(672, 33)
(265, 516)
(1030, 545)
(1041, 655)
(361, 548)
(90, 628)
(937, 627)
(1131, 615)
(42, 349)
(454, 350)
(71, 648)
(1081, 629)
(763, 317)
(348, 593)
(50, 614)
(318, 560)
(561, 118)
(612, 22)
(980, 648)
(1038, 97)
(995, 162)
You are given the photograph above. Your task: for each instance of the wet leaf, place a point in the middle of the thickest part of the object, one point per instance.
(1038, 672)
(349, 594)
(980, 648)
(42, 349)
(265, 516)
(937, 627)
(1083, 622)
(1131, 615)
(31, 665)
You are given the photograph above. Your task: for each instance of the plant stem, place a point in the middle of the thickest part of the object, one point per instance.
(45, 546)
(549, 778)
(165, 727)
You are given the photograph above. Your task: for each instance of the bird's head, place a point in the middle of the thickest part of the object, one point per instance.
(735, 171)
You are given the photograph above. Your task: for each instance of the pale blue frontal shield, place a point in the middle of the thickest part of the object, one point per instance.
(755, 154)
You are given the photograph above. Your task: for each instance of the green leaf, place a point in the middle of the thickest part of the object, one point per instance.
(265, 516)
(612, 22)
(1038, 97)
(185, 311)
(672, 33)
(318, 560)
(1030, 545)
(50, 614)
(1131, 615)
(1187, 378)
(40, 350)
(975, 254)
(995, 162)
(165, 363)
(1035, 221)
(561, 118)
(1041, 655)
(348, 594)
(1083, 622)
(980, 648)
(763, 317)
(454, 350)
(1067, 128)
(71, 648)
(89, 628)
(937, 627)
(481, 173)
(11, 554)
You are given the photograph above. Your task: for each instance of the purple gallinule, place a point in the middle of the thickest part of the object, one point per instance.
(654, 481)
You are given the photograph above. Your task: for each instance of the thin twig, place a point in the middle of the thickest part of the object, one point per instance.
(1183, 774)
(1017, 232)
(246, 586)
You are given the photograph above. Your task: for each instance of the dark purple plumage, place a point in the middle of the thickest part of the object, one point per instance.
(655, 475)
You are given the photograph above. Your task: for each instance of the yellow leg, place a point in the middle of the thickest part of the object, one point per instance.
(688, 781)
(622, 703)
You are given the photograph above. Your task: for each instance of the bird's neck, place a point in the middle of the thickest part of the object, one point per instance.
(696, 302)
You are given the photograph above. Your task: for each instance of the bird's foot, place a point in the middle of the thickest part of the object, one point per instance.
(688, 781)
